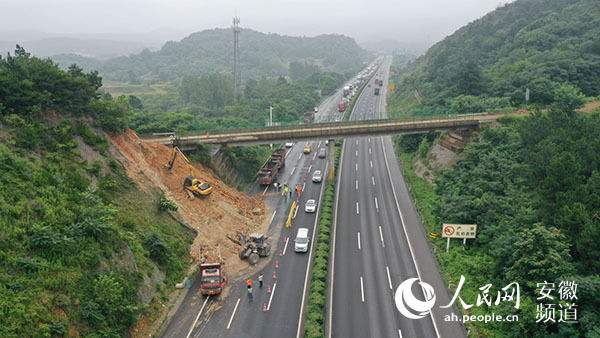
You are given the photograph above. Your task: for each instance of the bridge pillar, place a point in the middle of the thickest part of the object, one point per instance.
(331, 158)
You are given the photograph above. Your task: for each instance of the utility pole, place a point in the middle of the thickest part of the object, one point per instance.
(237, 75)
(271, 120)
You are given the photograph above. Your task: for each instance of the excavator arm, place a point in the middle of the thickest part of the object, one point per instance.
(188, 164)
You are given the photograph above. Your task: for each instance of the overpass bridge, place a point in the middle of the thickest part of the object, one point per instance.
(326, 130)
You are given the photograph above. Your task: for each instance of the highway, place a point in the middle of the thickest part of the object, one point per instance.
(235, 315)
(378, 241)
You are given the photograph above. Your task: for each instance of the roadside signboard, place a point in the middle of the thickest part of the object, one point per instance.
(459, 230)
(463, 231)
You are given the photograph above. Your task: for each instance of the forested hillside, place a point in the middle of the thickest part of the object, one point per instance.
(488, 64)
(531, 184)
(211, 51)
(83, 251)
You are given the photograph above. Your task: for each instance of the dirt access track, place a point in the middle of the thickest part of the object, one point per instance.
(225, 211)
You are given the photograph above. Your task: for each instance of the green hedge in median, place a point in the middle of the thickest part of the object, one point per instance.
(315, 311)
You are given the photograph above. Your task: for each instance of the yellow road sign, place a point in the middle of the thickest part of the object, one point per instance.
(391, 87)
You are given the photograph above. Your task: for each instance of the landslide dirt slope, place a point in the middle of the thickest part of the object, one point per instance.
(225, 211)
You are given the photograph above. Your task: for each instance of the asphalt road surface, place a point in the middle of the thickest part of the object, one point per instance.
(372, 254)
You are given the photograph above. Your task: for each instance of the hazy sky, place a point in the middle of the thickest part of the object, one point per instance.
(403, 20)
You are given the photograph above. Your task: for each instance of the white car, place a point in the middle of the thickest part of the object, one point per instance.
(310, 206)
(317, 176)
(289, 144)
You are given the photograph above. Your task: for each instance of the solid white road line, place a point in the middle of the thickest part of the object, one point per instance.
(265, 191)
(356, 184)
(287, 239)
(303, 185)
(233, 313)
(371, 163)
(319, 144)
(399, 333)
(314, 156)
(381, 236)
(356, 166)
(412, 253)
(369, 140)
(309, 168)
(271, 298)
(293, 169)
(369, 150)
(357, 153)
(295, 212)
(373, 180)
(356, 142)
(198, 316)
(274, 212)
(389, 279)
(299, 157)
(362, 291)
(333, 243)
(376, 205)
(358, 237)
(306, 275)
(357, 208)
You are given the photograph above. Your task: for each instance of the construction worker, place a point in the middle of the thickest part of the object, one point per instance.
(285, 192)
(249, 283)
(260, 280)
(250, 294)
(276, 185)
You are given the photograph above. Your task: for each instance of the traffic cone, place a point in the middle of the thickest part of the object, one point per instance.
(274, 275)
(269, 289)
(276, 264)
(265, 307)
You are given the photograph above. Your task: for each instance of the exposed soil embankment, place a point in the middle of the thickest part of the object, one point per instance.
(225, 211)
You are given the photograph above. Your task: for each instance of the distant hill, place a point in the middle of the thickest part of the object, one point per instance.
(534, 44)
(95, 48)
(211, 51)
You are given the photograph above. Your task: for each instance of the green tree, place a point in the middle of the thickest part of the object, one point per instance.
(567, 98)
(540, 253)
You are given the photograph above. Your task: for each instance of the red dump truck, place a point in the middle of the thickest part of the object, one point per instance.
(212, 279)
(342, 106)
(268, 173)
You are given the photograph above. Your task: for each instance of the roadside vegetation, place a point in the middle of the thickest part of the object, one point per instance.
(315, 310)
(82, 251)
(532, 187)
(530, 184)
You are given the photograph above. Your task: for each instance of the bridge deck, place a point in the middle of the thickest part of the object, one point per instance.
(329, 130)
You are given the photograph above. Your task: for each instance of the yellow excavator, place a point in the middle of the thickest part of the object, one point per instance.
(191, 183)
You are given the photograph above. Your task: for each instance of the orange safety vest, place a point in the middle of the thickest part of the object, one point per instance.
(249, 282)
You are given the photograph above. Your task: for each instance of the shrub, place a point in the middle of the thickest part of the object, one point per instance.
(159, 250)
(166, 204)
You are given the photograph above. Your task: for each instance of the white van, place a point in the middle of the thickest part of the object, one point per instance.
(301, 241)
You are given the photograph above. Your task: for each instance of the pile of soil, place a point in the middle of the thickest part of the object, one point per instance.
(225, 211)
